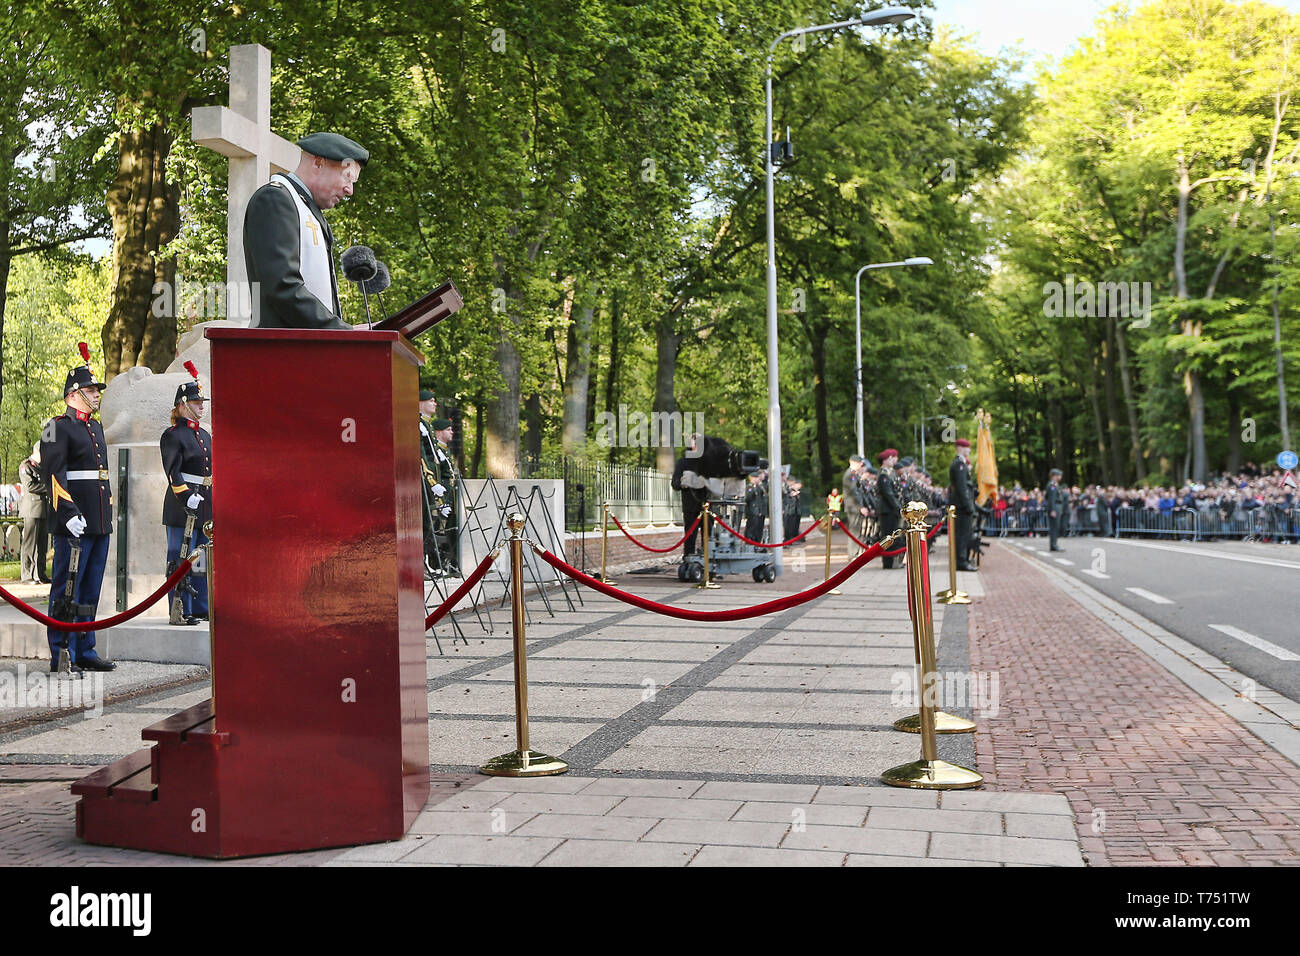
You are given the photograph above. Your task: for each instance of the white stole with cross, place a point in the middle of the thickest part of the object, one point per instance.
(313, 250)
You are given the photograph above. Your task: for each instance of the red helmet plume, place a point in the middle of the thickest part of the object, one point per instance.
(194, 373)
(85, 352)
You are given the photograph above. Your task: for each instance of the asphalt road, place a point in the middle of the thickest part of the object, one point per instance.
(1237, 601)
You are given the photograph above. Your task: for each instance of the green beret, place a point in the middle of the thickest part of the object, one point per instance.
(440, 423)
(425, 395)
(334, 146)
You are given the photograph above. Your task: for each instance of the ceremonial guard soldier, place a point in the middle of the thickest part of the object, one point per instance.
(429, 472)
(854, 497)
(1056, 500)
(186, 449)
(888, 503)
(961, 497)
(446, 517)
(74, 462)
(288, 245)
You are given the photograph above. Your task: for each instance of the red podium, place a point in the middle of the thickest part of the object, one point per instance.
(317, 732)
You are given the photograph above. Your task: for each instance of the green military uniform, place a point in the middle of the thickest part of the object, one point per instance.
(961, 497)
(446, 516)
(1057, 501)
(890, 514)
(429, 478)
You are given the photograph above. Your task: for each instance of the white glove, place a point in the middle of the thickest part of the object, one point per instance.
(194, 501)
(439, 490)
(445, 511)
(76, 525)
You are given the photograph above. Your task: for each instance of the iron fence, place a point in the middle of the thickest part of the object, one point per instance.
(636, 494)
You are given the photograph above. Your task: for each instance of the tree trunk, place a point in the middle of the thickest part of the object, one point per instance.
(593, 380)
(502, 425)
(668, 342)
(577, 374)
(1191, 378)
(476, 463)
(533, 436)
(1020, 443)
(145, 209)
(817, 339)
(1234, 431)
(1130, 404)
(1094, 389)
(611, 381)
(6, 263)
(1113, 423)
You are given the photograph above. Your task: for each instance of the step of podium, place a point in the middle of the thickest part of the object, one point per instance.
(142, 639)
(163, 797)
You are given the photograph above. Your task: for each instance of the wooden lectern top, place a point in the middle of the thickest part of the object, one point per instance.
(424, 314)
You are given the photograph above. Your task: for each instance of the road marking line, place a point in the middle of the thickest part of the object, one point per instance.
(1153, 598)
(1204, 553)
(1268, 647)
(1095, 574)
(1065, 561)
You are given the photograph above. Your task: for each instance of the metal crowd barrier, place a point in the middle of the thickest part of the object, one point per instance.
(1016, 523)
(1178, 523)
(1266, 523)
(1270, 523)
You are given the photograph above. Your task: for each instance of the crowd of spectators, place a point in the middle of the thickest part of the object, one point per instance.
(1258, 504)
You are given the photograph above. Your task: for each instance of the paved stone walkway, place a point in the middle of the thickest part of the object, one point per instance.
(1155, 774)
(749, 742)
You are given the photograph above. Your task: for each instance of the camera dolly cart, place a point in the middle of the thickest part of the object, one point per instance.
(727, 553)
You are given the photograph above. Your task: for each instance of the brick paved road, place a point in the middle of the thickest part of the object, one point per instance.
(1156, 775)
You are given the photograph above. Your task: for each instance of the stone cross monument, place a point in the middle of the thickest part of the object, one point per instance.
(137, 402)
(242, 132)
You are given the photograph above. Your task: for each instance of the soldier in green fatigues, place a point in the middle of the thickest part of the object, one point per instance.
(961, 496)
(428, 475)
(1056, 500)
(891, 508)
(446, 516)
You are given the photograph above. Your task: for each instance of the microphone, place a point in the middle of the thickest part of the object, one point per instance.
(358, 263)
(378, 282)
(381, 281)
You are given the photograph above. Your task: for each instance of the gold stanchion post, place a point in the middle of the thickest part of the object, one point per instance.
(830, 523)
(212, 617)
(707, 581)
(521, 762)
(928, 773)
(951, 595)
(604, 543)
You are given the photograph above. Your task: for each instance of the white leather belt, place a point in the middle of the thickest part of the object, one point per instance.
(205, 481)
(101, 475)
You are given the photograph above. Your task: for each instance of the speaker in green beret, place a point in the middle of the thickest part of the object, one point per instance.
(334, 146)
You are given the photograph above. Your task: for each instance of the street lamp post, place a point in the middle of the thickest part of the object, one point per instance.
(857, 373)
(880, 17)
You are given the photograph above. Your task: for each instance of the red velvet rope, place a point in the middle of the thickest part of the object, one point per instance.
(852, 536)
(647, 547)
(929, 535)
(796, 538)
(126, 615)
(738, 614)
(474, 577)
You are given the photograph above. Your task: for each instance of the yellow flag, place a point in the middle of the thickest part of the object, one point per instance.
(986, 463)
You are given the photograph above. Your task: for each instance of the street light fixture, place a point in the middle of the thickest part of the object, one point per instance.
(882, 17)
(857, 281)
